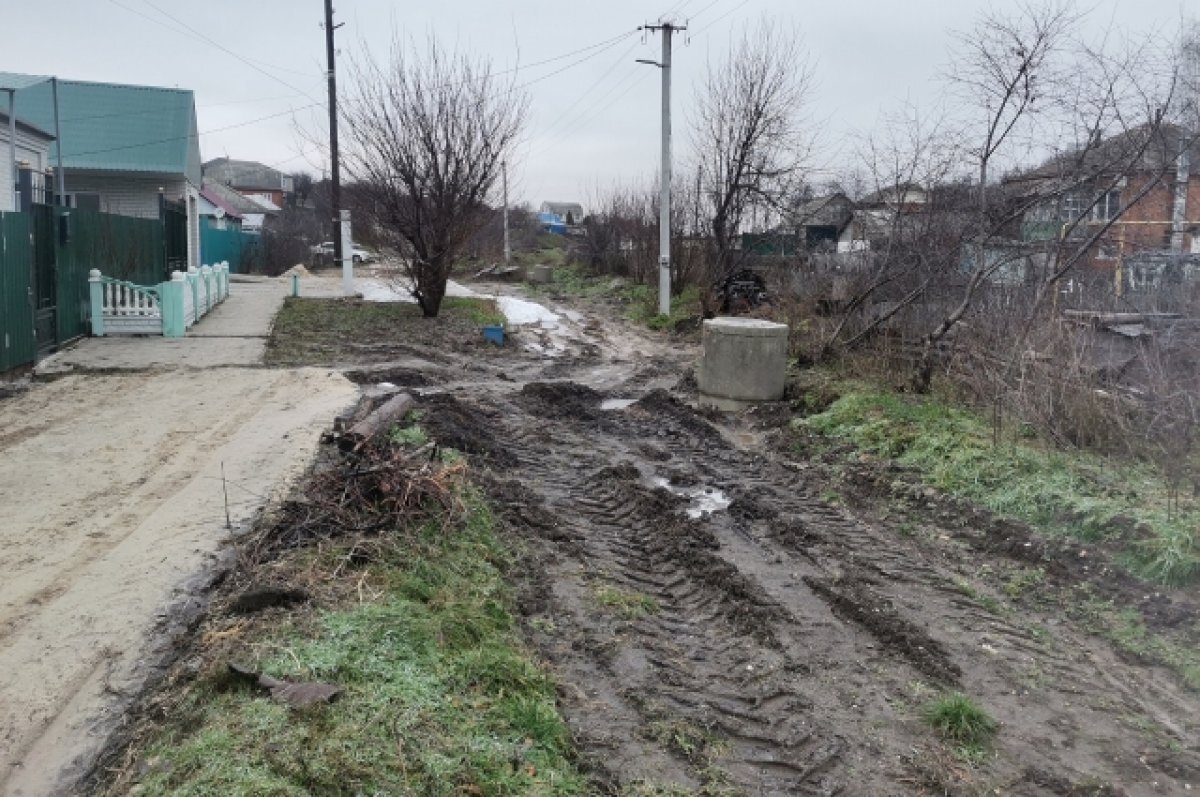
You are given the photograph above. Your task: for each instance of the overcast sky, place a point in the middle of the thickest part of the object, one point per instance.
(593, 124)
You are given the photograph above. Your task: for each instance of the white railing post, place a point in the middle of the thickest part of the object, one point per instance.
(96, 293)
(206, 276)
(193, 278)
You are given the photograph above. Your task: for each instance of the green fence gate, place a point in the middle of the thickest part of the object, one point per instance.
(226, 245)
(16, 291)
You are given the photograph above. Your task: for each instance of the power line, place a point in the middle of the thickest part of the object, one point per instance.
(704, 10)
(151, 111)
(191, 135)
(733, 10)
(574, 64)
(587, 92)
(208, 40)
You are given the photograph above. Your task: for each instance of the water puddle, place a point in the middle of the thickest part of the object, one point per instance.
(704, 500)
(616, 403)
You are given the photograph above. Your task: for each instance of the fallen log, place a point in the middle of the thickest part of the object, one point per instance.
(377, 421)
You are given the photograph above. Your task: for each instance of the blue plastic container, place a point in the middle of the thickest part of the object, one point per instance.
(494, 334)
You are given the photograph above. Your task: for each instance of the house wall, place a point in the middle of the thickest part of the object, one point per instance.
(1147, 225)
(31, 149)
(126, 194)
(275, 196)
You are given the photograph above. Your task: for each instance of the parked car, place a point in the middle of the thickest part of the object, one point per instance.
(357, 253)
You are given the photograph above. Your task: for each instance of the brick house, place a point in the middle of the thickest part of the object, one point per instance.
(1146, 182)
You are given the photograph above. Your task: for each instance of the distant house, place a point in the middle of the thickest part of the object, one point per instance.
(568, 213)
(878, 216)
(249, 210)
(1085, 191)
(251, 179)
(552, 223)
(32, 154)
(821, 221)
(125, 149)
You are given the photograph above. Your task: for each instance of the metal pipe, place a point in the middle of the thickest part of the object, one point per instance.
(12, 148)
(60, 178)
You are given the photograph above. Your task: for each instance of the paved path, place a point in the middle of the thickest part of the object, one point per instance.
(113, 479)
(233, 334)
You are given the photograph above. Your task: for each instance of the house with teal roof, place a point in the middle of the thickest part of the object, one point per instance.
(125, 149)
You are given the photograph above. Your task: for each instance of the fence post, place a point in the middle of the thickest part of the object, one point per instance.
(224, 280)
(206, 275)
(96, 287)
(174, 325)
(193, 278)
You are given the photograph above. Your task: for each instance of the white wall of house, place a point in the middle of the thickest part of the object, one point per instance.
(31, 149)
(126, 194)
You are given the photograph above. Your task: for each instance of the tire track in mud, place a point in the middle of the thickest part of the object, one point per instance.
(787, 637)
(709, 673)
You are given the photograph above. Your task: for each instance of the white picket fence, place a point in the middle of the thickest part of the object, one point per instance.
(168, 309)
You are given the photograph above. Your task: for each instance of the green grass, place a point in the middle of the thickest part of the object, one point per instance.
(440, 696)
(1061, 492)
(643, 306)
(961, 723)
(482, 312)
(1125, 628)
(412, 436)
(334, 331)
(629, 605)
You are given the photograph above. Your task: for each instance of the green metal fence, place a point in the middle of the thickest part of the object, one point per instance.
(230, 246)
(121, 246)
(16, 291)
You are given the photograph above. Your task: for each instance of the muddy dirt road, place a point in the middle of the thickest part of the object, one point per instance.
(113, 511)
(719, 627)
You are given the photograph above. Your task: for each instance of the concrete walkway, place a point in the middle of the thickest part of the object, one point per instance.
(234, 334)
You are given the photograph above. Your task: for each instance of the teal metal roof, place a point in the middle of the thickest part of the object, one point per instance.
(113, 127)
(15, 80)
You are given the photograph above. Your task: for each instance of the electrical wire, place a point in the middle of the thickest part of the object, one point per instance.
(159, 110)
(731, 11)
(588, 91)
(208, 40)
(573, 64)
(190, 135)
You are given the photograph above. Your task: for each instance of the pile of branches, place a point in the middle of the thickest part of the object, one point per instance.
(374, 485)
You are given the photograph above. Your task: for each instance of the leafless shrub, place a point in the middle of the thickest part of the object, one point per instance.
(425, 137)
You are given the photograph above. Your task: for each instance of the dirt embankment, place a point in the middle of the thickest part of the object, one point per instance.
(116, 493)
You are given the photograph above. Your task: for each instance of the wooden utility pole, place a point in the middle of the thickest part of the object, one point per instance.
(335, 189)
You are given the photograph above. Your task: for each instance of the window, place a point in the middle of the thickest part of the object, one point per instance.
(1107, 207)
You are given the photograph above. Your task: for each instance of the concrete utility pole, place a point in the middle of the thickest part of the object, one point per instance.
(341, 255)
(507, 247)
(664, 211)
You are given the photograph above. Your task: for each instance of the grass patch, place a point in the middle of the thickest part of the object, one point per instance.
(643, 307)
(440, 697)
(629, 605)
(1063, 492)
(338, 331)
(1125, 628)
(482, 312)
(961, 723)
(411, 436)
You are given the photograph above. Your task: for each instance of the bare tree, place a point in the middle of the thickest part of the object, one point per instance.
(1007, 71)
(749, 136)
(425, 136)
(302, 188)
